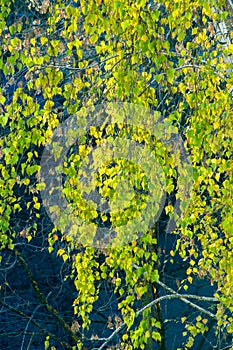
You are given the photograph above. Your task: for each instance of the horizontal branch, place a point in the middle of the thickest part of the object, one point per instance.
(183, 297)
(173, 295)
(77, 69)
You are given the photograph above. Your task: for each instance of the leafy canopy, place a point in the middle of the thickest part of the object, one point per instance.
(163, 56)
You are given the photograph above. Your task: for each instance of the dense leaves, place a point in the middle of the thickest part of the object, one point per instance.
(62, 58)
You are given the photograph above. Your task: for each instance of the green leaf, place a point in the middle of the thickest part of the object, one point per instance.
(3, 118)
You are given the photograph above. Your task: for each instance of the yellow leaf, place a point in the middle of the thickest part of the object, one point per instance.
(43, 40)
(190, 279)
(26, 182)
(147, 334)
(37, 205)
(144, 38)
(65, 257)
(216, 125)
(60, 252)
(125, 337)
(183, 319)
(172, 253)
(33, 41)
(194, 31)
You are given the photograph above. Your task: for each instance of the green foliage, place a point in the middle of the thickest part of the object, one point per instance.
(151, 56)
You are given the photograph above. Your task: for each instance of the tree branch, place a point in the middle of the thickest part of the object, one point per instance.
(44, 301)
(173, 295)
(194, 66)
(83, 68)
(44, 331)
(231, 4)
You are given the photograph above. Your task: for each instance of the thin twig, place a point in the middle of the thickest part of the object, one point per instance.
(83, 68)
(28, 323)
(38, 325)
(194, 66)
(44, 300)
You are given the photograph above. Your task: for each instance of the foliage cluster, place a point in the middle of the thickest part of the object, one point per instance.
(70, 56)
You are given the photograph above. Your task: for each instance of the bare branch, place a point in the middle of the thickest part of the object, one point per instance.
(83, 68)
(44, 301)
(44, 331)
(231, 4)
(173, 295)
(183, 297)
